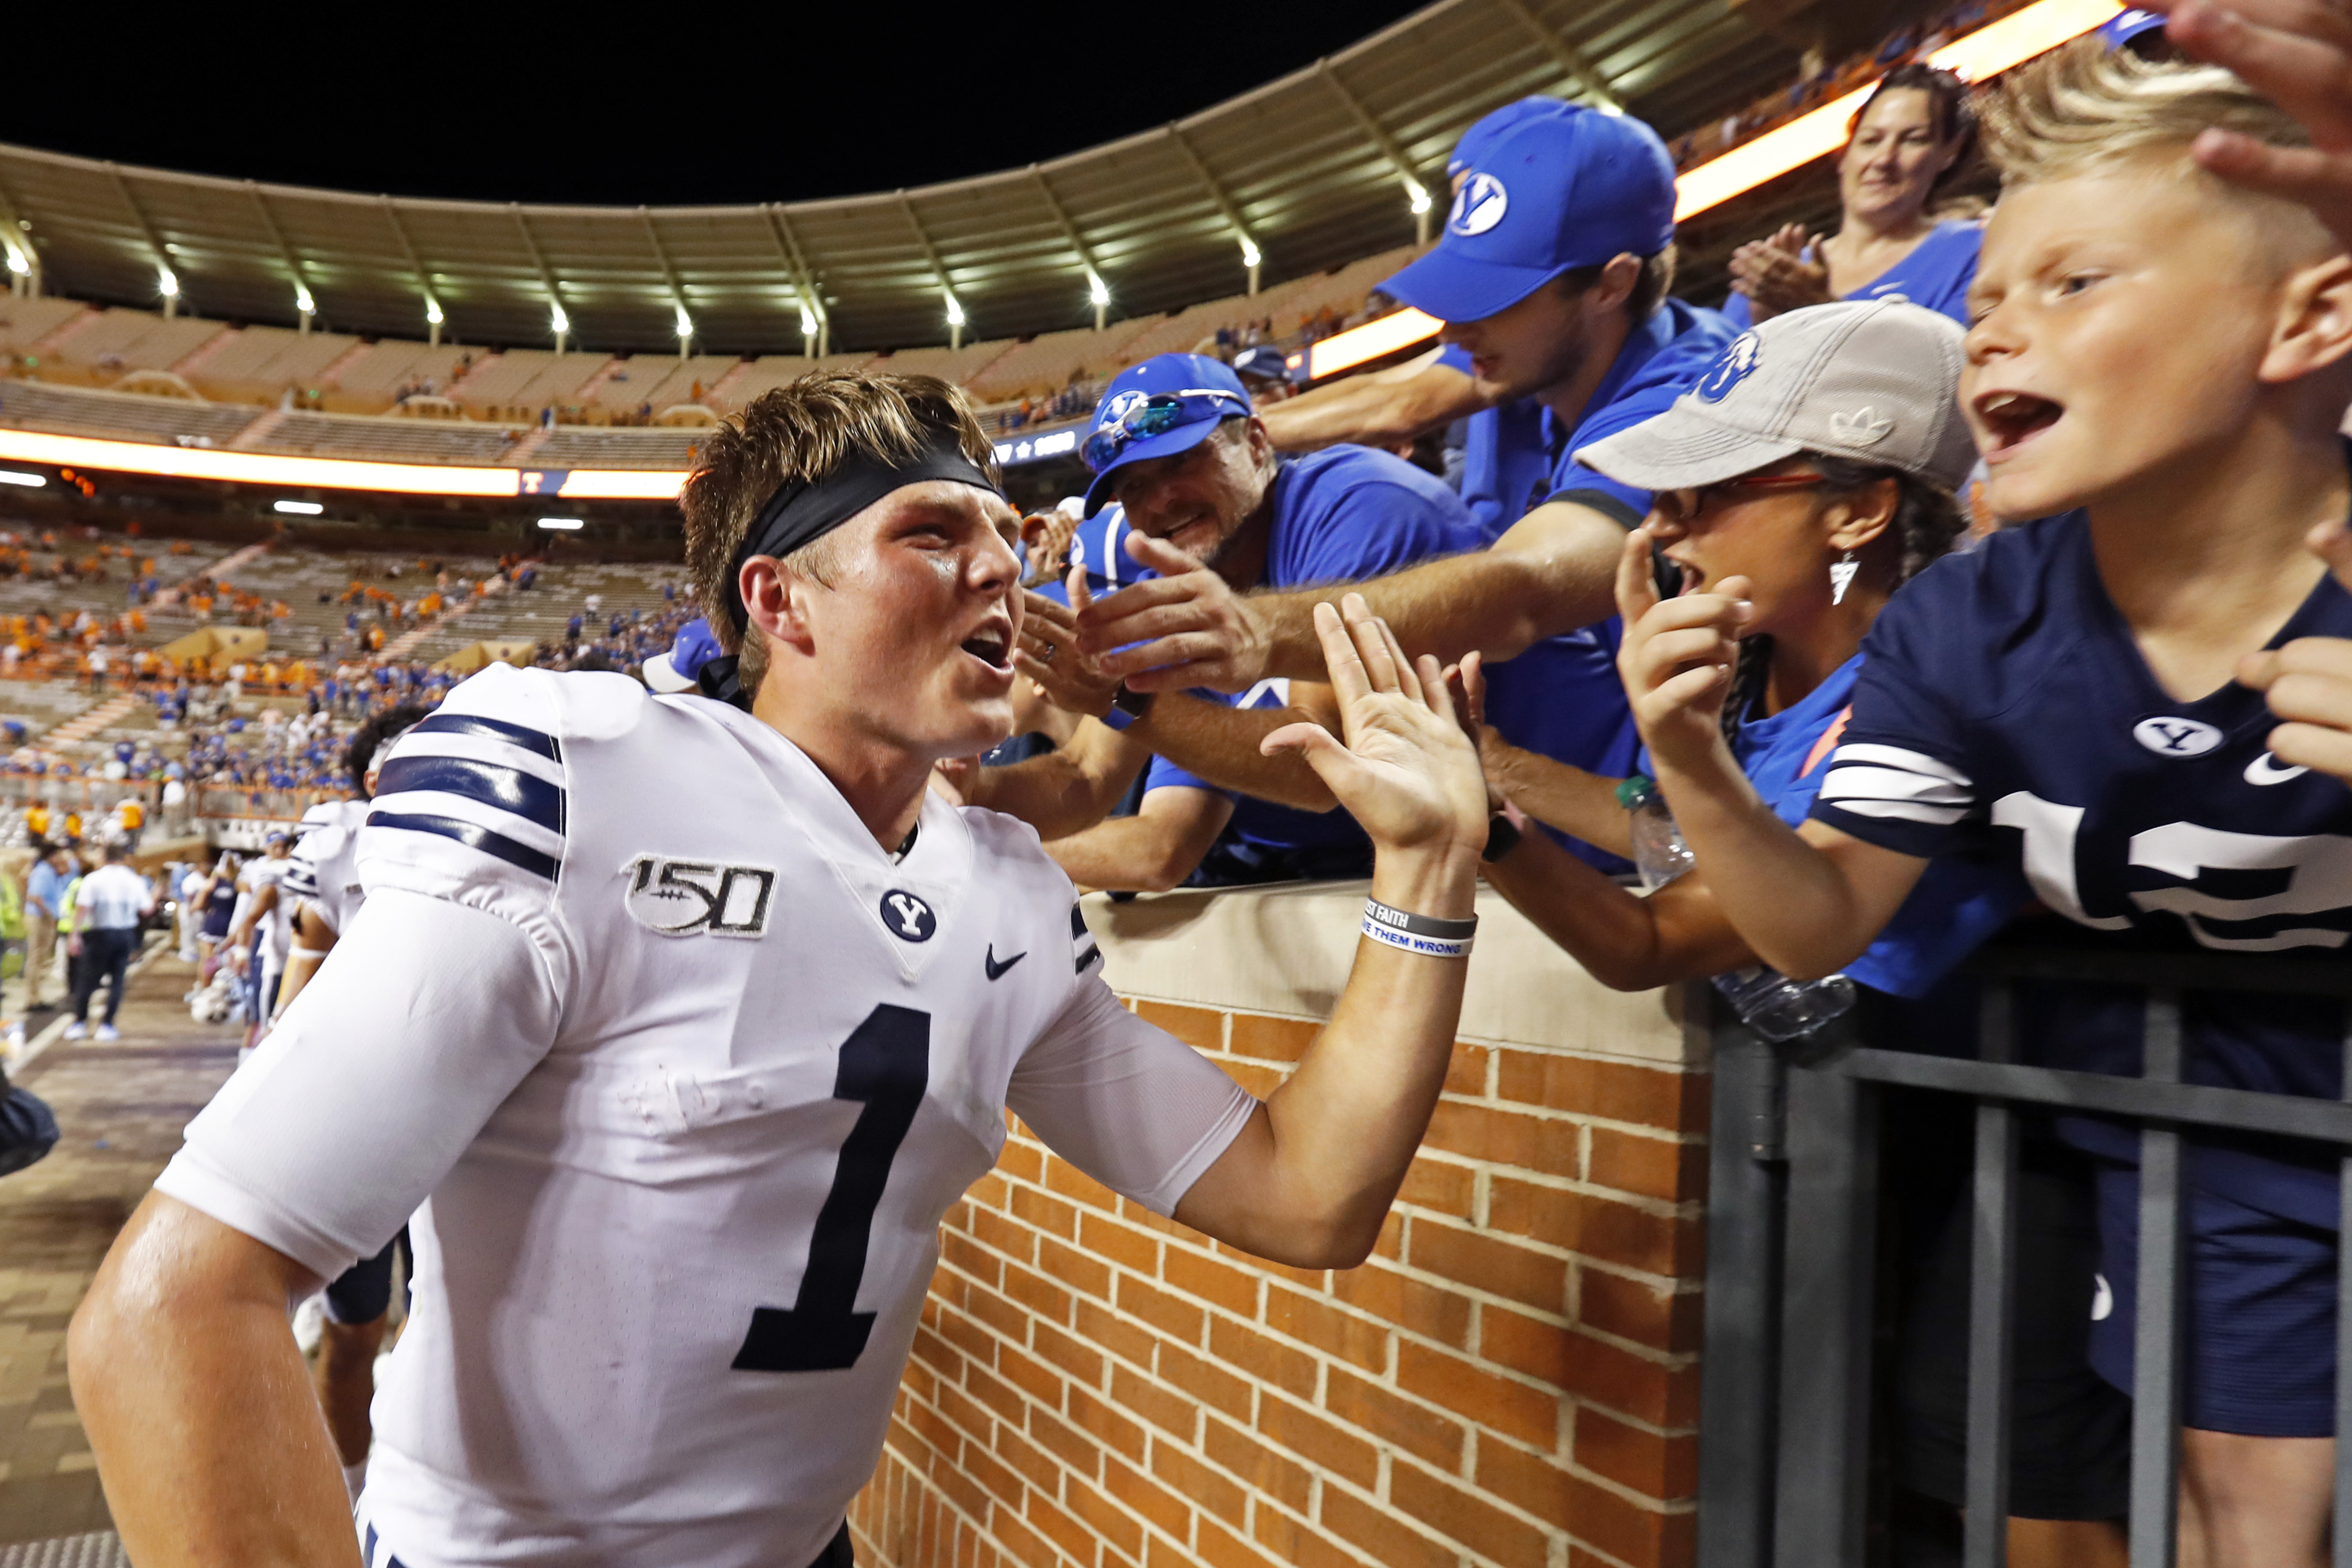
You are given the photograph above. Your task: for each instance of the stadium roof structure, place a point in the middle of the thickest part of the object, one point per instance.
(1310, 172)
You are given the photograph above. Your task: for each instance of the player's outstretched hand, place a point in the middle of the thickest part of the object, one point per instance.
(1677, 657)
(1049, 655)
(1188, 627)
(1402, 766)
(2299, 53)
(2309, 681)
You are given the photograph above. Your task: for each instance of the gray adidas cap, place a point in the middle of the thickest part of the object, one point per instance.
(1874, 381)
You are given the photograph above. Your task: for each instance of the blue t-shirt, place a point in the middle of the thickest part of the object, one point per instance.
(1662, 359)
(1505, 466)
(2005, 713)
(1341, 515)
(1937, 275)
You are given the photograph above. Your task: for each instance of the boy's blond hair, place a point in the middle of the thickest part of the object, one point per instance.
(2085, 107)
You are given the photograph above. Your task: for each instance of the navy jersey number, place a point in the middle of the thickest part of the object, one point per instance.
(886, 1064)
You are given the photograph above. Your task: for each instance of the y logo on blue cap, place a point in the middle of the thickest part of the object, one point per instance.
(1478, 206)
(1120, 406)
(1734, 365)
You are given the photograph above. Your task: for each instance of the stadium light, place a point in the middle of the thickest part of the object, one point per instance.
(955, 312)
(432, 311)
(1096, 293)
(16, 262)
(685, 323)
(558, 320)
(299, 508)
(808, 323)
(1419, 199)
(29, 481)
(303, 302)
(562, 525)
(1250, 256)
(167, 284)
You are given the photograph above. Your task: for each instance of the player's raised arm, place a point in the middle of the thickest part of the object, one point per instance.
(1310, 1178)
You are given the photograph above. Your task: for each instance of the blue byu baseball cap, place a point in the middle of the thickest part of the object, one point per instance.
(1483, 134)
(676, 669)
(2122, 28)
(1555, 192)
(1167, 405)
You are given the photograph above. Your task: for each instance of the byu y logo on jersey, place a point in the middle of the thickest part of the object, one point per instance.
(1478, 206)
(688, 897)
(2172, 737)
(907, 917)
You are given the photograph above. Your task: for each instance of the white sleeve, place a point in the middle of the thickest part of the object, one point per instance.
(1126, 1101)
(418, 1025)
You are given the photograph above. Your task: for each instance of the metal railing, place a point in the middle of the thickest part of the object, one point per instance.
(1785, 1439)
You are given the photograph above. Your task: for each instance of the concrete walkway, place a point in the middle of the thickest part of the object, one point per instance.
(121, 1108)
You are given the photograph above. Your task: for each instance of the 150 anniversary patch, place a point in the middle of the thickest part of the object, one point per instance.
(687, 898)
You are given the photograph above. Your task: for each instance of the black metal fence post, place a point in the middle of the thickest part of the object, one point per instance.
(2156, 1332)
(1740, 1420)
(1992, 1289)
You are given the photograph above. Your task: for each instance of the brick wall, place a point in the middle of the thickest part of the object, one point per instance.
(1511, 1380)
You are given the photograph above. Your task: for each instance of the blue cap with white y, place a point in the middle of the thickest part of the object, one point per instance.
(2122, 28)
(1165, 405)
(1553, 192)
(676, 669)
(1484, 133)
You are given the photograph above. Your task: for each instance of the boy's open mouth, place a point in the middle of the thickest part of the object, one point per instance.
(2011, 420)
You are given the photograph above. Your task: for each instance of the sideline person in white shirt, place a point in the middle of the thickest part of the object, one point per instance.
(108, 906)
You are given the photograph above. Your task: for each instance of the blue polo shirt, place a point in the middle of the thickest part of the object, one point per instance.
(1505, 466)
(45, 886)
(1661, 359)
(1937, 275)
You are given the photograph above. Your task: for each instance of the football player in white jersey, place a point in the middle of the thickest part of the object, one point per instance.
(679, 1026)
(323, 876)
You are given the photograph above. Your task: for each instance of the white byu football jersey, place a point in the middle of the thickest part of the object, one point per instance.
(685, 1071)
(324, 869)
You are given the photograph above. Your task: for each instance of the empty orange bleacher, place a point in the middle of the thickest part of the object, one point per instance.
(258, 364)
(123, 340)
(1045, 362)
(661, 380)
(25, 322)
(366, 384)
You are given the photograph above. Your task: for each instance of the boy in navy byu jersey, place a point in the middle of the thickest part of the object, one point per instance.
(677, 1024)
(2157, 366)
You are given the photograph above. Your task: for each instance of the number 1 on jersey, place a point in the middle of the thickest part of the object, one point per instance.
(885, 1065)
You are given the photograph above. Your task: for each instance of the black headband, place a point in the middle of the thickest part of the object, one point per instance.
(804, 511)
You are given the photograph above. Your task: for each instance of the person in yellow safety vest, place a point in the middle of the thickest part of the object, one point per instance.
(37, 821)
(73, 828)
(12, 948)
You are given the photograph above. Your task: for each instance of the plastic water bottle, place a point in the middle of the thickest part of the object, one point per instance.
(1768, 1001)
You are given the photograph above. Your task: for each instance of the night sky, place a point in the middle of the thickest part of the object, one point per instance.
(592, 105)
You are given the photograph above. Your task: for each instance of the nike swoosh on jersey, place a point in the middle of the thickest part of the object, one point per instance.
(995, 970)
(2264, 770)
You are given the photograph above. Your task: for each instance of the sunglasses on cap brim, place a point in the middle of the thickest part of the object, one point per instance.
(1155, 416)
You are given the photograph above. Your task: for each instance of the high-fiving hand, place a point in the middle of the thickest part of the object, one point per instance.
(1402, 766)
(1187, 625)
(1677, 658)
(2297, 53)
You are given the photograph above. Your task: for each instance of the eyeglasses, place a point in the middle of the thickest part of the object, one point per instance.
(1685, 505)
(1155, 415)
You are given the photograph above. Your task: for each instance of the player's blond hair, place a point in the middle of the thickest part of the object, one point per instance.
(2084, 107)
(804, 431)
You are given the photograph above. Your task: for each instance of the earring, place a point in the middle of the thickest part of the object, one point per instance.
(1841, 573)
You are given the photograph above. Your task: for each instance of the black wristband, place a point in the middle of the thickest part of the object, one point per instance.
(1503, 836)
(1419, 925)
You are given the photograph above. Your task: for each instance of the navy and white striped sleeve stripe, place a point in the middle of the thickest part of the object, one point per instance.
(301, 878)
(1083, 951)
(1865, 779)
(494, 786)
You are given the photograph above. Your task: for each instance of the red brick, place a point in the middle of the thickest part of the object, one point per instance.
(991, 1476)
(1109, 1521)
(1115, 1334)
(1653, 1465)
(1199, 1027)
(1033, 1377)
(1597, 1226)
(1465, 1071)
(1209, 1383)
(1081, 1360)
(1266, 1359)
(1221, 1283)
(1322, 1443)
(1045, 1211)
(1441, 1185)
(989, 1191)
(1489, 1263)
(1660, 1393)
(1008, 1236)
(1111, 1427)
(1247, 1456)
(961, 1487)
(1378, 1533)
(1505, 1137)
(1171, 1413)
(1301, 1544)
(1147, 1497)
(1205, 1487)
(959, 1251)
(1008, 1317)
(1171, 1315)
(1636, 1310)
(1653, 1167)
(1056, 1525)
(1066, 1179)
(1456, 1512)
(1032, 1461)
(1021, 1540)
(1023, 1159)
(1256, 1077)
(1327, 1328)
(1615, 1092)
(1221, 1549)
(1594, 1514)
(935, 1431)
(938, 1354)
(1416, 1428)
(1272, 1039)
(1074, 1268)
(1066, 1443)
(1411, 1304)
(1498, 1403)
(1122, 1244)
(1039, 1295)
(1391, 1244)
(970, 1414)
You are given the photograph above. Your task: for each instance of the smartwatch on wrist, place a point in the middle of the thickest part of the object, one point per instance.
(1126, 705)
